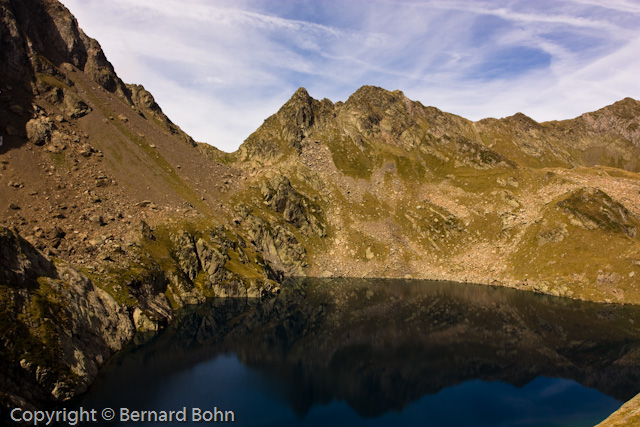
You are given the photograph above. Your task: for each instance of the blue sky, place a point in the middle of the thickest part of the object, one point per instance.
(219, 68)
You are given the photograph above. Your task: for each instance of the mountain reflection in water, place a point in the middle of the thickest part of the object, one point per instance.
(379, 346)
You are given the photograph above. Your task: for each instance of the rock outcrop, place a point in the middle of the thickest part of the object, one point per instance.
(295, 208)
(57, 327)
(627, 415)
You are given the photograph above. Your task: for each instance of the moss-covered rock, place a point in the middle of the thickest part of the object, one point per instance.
(593, 208)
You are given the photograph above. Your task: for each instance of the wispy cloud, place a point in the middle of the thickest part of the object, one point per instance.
(219, 69)
(618, 5)
(510, 14)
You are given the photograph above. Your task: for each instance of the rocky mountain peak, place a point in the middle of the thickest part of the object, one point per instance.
(622, 117)
(628, 103)
(299, 110)
(42, 36)
(367, 96)
(520, 120)
(283, 132)
(373, 118)
(302, 95)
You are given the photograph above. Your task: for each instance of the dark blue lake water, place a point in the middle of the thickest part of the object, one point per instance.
(382, 352)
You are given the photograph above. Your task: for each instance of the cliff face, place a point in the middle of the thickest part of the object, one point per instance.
(105, 203)
(56, 324)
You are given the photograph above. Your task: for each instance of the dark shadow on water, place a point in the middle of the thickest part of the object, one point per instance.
(380, 346)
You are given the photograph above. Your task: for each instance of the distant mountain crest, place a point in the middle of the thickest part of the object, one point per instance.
(375, 117)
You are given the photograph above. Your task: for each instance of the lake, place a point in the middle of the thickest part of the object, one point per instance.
(382, 352)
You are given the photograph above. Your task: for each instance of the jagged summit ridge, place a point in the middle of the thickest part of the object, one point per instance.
(374, 117)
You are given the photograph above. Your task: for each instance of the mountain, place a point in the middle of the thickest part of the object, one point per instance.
(403, 189)
(112, 217)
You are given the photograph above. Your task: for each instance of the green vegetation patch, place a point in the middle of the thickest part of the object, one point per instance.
(349, 158)
(242, 268)
(52, 81)
(59, 160)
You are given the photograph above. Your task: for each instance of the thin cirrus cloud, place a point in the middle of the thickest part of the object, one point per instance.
(218, 69)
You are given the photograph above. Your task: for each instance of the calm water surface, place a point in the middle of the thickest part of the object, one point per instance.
(385, 352)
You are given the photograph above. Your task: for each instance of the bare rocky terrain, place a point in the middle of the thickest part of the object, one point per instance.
(112, 218)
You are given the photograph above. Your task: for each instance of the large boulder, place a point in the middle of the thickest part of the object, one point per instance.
(39, 130)
(74, 106)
